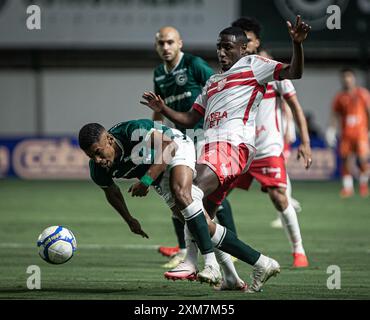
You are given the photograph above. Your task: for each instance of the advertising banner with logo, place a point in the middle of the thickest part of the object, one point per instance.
(42, 158)
(61, 158)
(122, 24)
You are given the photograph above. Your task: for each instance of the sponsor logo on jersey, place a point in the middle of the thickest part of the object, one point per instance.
(215, 117)
(172, 99)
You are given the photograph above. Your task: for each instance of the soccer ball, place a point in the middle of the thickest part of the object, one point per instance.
(56, 244)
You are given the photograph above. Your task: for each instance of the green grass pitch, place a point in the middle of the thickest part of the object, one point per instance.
(113, 263)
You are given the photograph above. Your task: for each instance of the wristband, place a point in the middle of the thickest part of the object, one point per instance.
(146, 180)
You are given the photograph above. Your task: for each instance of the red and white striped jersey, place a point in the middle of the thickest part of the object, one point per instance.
(269, 122)
(229, 101)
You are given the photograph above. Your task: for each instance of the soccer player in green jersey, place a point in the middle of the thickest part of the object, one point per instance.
(165, 159)
(179, 80)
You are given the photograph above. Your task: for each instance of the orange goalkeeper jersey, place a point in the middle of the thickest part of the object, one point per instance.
(352, 109)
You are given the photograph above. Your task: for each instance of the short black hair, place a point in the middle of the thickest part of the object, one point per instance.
(235, 31)
(89, 134)
(249, 24)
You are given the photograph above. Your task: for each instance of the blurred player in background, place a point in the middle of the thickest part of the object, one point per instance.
(179, 80)
(269, 166)
(351, 107)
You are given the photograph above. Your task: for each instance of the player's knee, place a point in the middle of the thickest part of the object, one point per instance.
(279, 198)
(182, 195)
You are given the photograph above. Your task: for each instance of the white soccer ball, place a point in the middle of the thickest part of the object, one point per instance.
(56, 244)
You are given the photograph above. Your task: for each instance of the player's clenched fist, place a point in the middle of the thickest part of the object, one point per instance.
(299, 31)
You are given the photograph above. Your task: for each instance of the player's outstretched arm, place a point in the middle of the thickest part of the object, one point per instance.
(165, 149)
(304, 149)
(115, 198)
(298, 34)
(185, 119)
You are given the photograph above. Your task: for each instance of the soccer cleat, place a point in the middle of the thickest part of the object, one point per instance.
(210, 275)
(300, 260)
(184, 271)
(276, 224)
(261, 274)
(168, 251)
(364, 190)
(346, 193)
(296, 205)
(224, 286)
(174, 261)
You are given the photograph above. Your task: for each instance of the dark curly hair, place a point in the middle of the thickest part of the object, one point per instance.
(89, 134)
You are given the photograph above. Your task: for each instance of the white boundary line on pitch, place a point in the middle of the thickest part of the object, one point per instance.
(85, 246)
(136, 247)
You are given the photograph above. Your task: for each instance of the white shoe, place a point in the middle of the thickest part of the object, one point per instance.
(296, 205)
(210, 274)
(276, 224)
(225, 286)
(174, 261)
(184, 271)
(262, 274)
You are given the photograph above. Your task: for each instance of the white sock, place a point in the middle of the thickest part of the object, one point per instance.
(288, 188)
(291, 226)
(229, 272)
(192, 248)
(364, 179)
(219, 235)
(182, 252)
(262, 261)
(210, 260)
(347, 181)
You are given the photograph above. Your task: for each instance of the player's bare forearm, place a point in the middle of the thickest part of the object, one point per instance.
(294, 70)
(116, 200)
(298, 34)
(157, 116)
(299, 118)
(304, 150)
(185, 119)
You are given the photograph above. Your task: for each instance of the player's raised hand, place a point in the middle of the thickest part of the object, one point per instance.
(299, 31)
(138, 190)
(135, 227)
(153, 101)
(304, 151)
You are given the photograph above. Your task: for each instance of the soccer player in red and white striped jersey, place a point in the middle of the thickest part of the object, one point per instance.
(268, 167)
(229, 103)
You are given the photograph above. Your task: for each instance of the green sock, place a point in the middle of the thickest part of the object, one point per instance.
(179, 230)
(199, 230)
(232, 245)
(225, 216)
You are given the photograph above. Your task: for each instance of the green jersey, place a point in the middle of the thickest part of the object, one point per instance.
(181, 86)
(135, 159)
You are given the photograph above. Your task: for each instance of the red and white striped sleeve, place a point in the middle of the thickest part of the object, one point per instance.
(286, 88)
(265, 70)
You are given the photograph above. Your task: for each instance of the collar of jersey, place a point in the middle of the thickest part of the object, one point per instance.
(165, 68)
(121, 147)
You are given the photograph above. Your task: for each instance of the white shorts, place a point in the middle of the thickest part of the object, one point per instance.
(185, 156)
